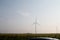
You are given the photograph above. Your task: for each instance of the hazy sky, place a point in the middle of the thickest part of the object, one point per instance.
(18, 16)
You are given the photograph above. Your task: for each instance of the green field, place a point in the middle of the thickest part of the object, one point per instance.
(25, 36)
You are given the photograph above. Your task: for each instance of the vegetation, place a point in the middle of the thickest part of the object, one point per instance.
(25, 36)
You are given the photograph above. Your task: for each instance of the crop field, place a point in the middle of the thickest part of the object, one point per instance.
(26, 36)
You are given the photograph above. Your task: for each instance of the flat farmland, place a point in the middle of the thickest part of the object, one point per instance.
(26, 36)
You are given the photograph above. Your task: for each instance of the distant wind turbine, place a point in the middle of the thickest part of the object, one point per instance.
(35, 24)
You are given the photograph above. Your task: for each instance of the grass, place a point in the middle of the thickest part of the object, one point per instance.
(25, 36)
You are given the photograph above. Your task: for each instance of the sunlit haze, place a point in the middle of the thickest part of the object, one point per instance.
(18, 16)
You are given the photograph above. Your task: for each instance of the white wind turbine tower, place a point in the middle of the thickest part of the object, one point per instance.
(35, 25)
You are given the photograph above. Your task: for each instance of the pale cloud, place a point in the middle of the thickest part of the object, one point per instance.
(24, 13)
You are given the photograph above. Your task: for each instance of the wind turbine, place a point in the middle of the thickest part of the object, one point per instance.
(35, 24)
(56, 32)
